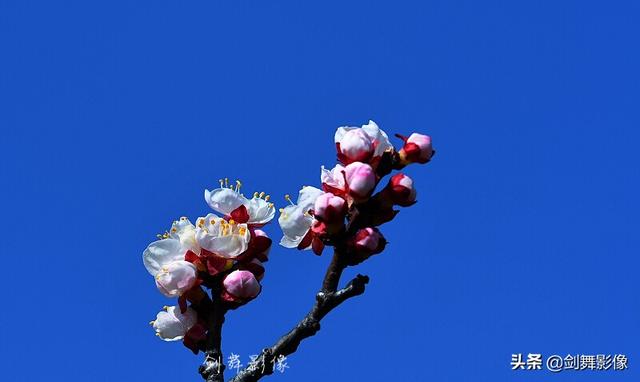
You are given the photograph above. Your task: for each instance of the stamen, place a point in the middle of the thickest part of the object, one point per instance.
(232, 222)
(183, 218)
(221, 183)
(255, 194)
(270, 205)
(238, 185)
(151, 322)
(266, 198)
(226, 182)
(288, 199)
(165, 308)
(262, 194)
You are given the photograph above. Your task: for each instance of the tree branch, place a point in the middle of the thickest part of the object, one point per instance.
(327, 299)
(212, 369)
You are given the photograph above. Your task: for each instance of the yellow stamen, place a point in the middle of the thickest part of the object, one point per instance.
(255, 194)
(267, 197)
(261, 194)
(165, 308)
(232, 222)
(226, 182)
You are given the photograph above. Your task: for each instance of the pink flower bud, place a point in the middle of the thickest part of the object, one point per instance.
(361, 180)
(176, 278)
(368, 241)
(401, 191)
(240, 286)
(355, 145)
(417, 148)
(330, 209)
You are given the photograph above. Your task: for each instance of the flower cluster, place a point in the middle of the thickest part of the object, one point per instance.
(224, 252)
(345, 212)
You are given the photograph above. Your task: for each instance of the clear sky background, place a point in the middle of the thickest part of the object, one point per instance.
(115, 116)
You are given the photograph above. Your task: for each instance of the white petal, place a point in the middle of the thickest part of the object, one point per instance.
(307, 196)
(224, 200)
(176, 278)
(333, 178)
(379, 136)
(341, 132)
(295, 221)
(162, 252)
(184, 231)
(172, 325)
(212, 237)
(260, 211)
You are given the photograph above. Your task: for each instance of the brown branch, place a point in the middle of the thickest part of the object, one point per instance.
(212, 369)
(327, 299)
(334, 272)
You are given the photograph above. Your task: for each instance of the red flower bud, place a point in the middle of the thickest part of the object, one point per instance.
(400, 190)
(417, 148)
(367, 242)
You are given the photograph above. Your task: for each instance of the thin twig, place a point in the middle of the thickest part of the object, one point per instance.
(327, 299)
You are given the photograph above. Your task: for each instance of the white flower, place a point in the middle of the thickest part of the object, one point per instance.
(165, 259)
(295, 219)
(171, 325)
(176, 278)
(228, 202)
(227, 239)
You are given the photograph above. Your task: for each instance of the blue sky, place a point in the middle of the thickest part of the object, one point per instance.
(116, 115)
